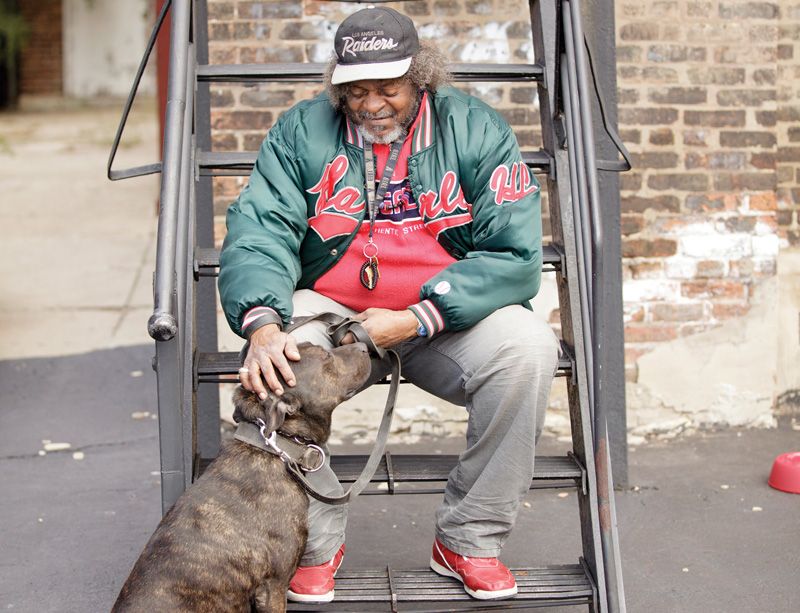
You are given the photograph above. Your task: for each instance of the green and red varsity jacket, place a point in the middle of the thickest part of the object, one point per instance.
(306, 199)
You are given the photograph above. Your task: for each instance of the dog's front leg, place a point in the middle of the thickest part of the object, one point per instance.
(271, 596)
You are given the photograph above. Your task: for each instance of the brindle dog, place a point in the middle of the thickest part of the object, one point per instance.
(241, 528)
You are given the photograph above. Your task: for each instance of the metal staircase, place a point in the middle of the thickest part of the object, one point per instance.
(183, 321)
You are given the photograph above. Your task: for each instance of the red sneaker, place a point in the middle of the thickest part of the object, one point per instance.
(483, 578)
(315, 583)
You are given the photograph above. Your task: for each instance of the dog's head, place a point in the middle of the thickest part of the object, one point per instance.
(324, 379)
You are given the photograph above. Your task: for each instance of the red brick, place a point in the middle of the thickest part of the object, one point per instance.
(667, 311)
(224, 141)
(710, 269)
(631, 224)
(747, 139)
(695, 138)
(764, 202)
(714, 119)
(241, 120)
(678, 95)
(731, 290)
(647, 270)
(643, 248)
(40, 67)
(647, 116)
(745, 97)
(654, 159)
(764, 161)
(644, 333)
(744, 180)
(662, 136)
(726, 310)
(639, 31)
(679, 181)
(637, 204)
(704, 203)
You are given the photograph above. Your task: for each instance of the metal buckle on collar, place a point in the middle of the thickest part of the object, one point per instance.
(321, 457)
(272, 442)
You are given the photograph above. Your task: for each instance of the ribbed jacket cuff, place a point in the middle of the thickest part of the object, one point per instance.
(258, 317)
(429, 316)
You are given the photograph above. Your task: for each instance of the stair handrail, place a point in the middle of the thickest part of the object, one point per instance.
(163, 323)
(148, 169)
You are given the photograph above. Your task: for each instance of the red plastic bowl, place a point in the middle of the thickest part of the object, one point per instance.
(785, 475)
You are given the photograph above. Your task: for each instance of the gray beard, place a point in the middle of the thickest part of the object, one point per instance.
(382, 139)
(399, 132)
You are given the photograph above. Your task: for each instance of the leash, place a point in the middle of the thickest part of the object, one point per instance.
(297, 460)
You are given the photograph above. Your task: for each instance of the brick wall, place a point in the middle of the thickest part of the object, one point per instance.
(707, 105)
(41, 60)
(788, 122)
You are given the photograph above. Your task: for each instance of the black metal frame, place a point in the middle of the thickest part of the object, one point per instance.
(184, 322)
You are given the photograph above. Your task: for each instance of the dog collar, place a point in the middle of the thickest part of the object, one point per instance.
(307, 456)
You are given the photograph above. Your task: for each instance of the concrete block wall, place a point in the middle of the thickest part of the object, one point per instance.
(708, 105)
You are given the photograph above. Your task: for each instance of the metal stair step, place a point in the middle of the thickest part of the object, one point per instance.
(387, 588)
(223, 366)
(549, 472)
(240, 163)
(313, 72)
(206, 261)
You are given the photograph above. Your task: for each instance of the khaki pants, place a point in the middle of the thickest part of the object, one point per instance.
(500, 370)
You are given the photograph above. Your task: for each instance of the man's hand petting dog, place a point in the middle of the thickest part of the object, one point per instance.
(235, 538)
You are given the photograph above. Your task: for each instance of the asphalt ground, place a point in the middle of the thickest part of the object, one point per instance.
(700, 529)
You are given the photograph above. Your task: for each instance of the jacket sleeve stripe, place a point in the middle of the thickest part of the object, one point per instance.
(429, 315)
(256, 312)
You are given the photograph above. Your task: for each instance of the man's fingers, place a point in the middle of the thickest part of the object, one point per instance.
(283, 367)
(244, 378)
(268, 376)
(291, 351)
(256, 382)
(348, 339)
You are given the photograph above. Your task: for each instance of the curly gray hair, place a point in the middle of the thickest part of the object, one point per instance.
(428, 71)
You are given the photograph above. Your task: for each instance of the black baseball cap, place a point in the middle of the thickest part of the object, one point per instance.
(374, 43)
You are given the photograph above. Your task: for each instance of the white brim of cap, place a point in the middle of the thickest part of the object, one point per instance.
(346, 73)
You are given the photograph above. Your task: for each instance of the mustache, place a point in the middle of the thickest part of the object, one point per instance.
(365, 115)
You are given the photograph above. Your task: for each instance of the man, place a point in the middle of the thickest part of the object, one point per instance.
(438, 261)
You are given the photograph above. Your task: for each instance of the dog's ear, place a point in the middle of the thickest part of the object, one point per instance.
(273, 410)
(277, 408)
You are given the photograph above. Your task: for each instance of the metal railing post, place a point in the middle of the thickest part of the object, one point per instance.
(163, 325)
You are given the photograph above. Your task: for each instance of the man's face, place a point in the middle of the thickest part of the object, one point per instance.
(381, 108)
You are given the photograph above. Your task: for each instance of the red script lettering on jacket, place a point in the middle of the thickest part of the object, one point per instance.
(335, 211)
(449, 198)
(513, 185)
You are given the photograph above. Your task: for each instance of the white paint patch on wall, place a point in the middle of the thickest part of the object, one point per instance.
(103, 43)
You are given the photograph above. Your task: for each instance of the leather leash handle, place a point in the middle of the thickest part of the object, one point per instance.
(338, 327)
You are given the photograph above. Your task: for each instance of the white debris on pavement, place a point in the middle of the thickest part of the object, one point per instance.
(56, 446)
(724, 486)
(140, 414)
(757, 509)
(563, 494)
(42, 452)
(136, 373)
(78, 455)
